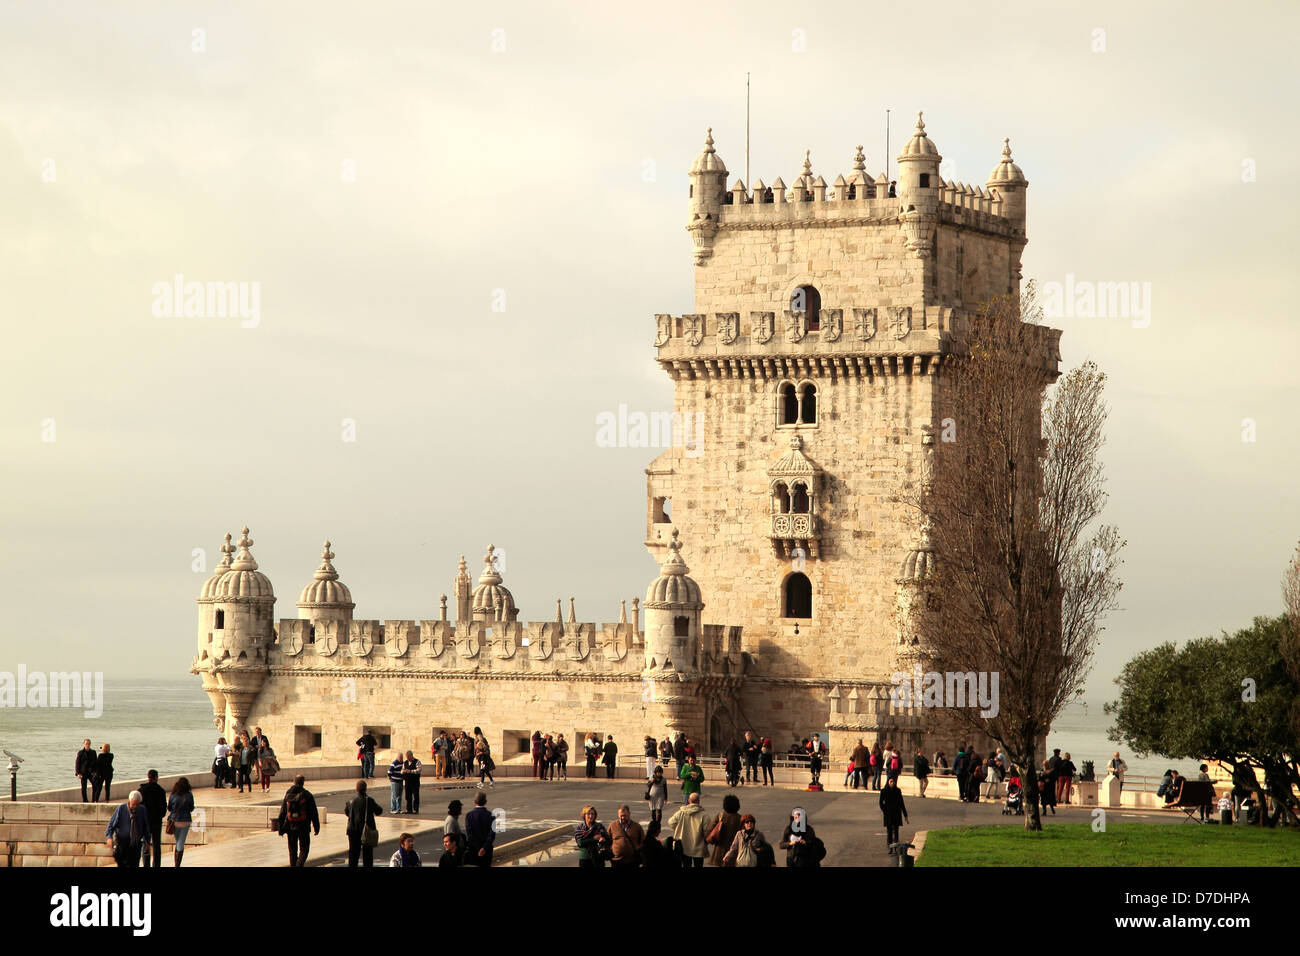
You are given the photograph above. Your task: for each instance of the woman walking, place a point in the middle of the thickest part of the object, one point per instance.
(483, 754)
(548, 758)
(725, 827)
(591, 748)
(921, 770)
(267, 766)
(247, 757)
(180, 808)
(592, 839)
(102, 775)
(562, 756)
(656, 794)
(877, 765)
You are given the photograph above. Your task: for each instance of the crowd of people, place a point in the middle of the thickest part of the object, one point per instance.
(248, 759)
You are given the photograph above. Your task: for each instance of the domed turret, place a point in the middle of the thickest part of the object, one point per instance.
(243, 632)
(708, 178)
(326, 597)
(672, 615)
(918, 190)
(492, 601)
(913, 595)
(206, 596)
(1009, 182)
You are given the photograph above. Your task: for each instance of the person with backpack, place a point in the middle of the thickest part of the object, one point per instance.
(405, 855)
(395, 784)
(803, 848)
(363, 832)
(298, 820)
(690, 826)
(749, 847)
(876, 761)
(893, 809)
(894, 765)
(180, 809)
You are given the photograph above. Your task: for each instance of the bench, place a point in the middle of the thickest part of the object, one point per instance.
(1192, 795)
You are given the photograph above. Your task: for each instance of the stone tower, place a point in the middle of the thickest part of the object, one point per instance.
(812, 364)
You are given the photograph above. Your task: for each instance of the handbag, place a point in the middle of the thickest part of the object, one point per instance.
(715, 834)
(370, 836)
(170, 826)
(747, 855)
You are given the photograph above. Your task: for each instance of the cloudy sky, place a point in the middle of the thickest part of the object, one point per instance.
(461, 220)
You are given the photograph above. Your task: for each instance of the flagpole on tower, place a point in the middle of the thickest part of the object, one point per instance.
(886, 146)
(746, 130)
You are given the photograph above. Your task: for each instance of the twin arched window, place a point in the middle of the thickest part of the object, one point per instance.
(791, 498)
(797, 404)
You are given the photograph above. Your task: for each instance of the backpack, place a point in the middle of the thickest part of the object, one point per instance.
(295, 808)
(816, 849)
(895, 763)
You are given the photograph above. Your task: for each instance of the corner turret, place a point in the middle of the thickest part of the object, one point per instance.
(708, 186)
(1008, 182)
(918, 190)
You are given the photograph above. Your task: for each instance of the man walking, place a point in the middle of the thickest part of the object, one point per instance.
(1118, 767)
(679, 751)
(127, 829)
(367, 742)
(84, 766)
(480, 833)
(651, 752)
(298, 819)
(440, 747)
(155, 808)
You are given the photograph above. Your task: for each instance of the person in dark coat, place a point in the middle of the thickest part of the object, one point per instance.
(679, 751)
(611, 755)
(731, 760)
(893, 808)
(360, 812)
(298, 819)
(798, 841)
(480, 833)
(101, 778)
(84, 767)
(155, 807)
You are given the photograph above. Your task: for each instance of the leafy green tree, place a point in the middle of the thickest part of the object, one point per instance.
(1227, 698)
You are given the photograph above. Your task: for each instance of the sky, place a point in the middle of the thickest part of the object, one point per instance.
(460, 222)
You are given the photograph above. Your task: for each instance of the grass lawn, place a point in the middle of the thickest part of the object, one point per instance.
(1122, 844)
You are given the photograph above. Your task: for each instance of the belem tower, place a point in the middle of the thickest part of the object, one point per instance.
(813, 359)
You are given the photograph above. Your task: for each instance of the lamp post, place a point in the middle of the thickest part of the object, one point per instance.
(14, 761)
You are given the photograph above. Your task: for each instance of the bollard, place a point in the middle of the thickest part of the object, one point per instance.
(901, 856)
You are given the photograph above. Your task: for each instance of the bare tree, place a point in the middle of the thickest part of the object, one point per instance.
(1011, 500)
(1290, 643)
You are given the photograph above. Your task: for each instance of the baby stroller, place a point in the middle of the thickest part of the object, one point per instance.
(1015, 802)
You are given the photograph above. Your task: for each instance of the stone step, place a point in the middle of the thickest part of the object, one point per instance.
(255, 817)
(91, 833)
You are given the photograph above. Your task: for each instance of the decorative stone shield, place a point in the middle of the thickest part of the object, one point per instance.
(395, 641)
(544, 646)
(433, 636)
(693, 327)
(664, 326)
(796, 325)
(728, 327)
(327, 640)
(864, 323)
(361, 644)
(832, 324)
(291, 642)
(902, 321)
(764, 325)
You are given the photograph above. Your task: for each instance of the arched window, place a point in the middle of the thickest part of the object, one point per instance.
(798, 596)
(799, 500)
(781, 499)
(807, 299)
(808, 404)
(789, 404)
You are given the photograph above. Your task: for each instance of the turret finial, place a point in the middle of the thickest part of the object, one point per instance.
(245, 560)
(860, 160)
(1006, 149)
(708, 140)
(920, 123)
(807, 163)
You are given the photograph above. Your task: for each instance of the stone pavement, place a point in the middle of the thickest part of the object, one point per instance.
(848, 821)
